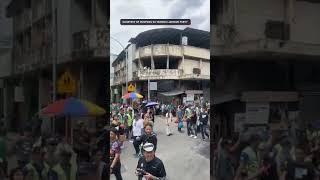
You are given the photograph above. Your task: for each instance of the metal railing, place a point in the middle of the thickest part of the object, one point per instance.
(144, 74)
(93, 41)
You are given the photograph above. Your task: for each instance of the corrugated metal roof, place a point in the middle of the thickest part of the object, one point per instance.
(172, 93)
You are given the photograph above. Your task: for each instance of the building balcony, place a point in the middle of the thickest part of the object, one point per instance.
(119, 80)
(194, 76)
(167, 74)
(91, 44)
(31, 59)
(157, 74)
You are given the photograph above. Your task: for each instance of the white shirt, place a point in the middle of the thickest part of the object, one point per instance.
(136, 127)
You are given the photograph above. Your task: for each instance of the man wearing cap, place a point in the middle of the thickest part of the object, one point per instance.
(149, 166)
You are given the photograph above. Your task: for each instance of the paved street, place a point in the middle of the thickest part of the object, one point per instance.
(184, 157)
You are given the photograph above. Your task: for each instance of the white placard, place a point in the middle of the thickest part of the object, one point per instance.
(153, 86)
(115, 91)
(184, 100)
(18, 94)
(257, 113)
(190, 97)
(239, 120)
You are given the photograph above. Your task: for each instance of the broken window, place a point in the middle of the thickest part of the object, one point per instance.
(146, 62)
(174, 62)
(160, 62)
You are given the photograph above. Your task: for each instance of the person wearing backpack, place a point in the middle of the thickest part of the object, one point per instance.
(203, 118)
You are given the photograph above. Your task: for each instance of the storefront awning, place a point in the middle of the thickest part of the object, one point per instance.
(172, 93)
(225, 98)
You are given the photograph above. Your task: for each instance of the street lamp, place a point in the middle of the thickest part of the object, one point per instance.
(148, 75)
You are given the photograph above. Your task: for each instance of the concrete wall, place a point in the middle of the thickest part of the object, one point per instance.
(241, 27)
(101, 19)
(64, 20)
(173, 50)
(131, 66)
(205, 67)
(306, 27)
(80, 21)
(302, 17)
(189, 64)
(197, 52)
(251, 17)
(5, 64)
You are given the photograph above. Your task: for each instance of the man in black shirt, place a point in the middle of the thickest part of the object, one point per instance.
(149, 166)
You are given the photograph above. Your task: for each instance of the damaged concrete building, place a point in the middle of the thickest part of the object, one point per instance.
(177, 60)
(69, 33)
(266, 67)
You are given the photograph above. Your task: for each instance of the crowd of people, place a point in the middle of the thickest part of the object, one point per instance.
(267, 155)
(135, 123)
(41, 156)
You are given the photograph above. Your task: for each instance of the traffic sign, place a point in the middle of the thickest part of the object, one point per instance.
(131, 88)
(66, 83)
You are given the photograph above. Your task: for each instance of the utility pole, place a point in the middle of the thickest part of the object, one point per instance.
(126, 59)
(148, 87)
(126, 51)
(54, 56)
(148, 69)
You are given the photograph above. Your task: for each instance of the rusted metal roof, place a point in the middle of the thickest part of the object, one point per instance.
(196, 37)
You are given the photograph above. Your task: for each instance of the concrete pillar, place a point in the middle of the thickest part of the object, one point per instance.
(182, 53)
(152, 60)
(5, 104)
(93, 12)
(140, 63)
(168, 56)
(39, 92)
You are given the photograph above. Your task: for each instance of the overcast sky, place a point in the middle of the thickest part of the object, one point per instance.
(196, 10)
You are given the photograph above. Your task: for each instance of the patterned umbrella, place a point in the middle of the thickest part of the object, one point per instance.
(72, 107)
(132, 95)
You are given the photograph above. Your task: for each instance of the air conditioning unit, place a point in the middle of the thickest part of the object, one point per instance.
(196, 71)
(277, 30)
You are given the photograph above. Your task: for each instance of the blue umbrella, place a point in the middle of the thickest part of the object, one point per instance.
(151, 104)
(316, 124)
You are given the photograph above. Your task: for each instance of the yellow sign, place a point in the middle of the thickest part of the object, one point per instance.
(66, 83)
(131, 88)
